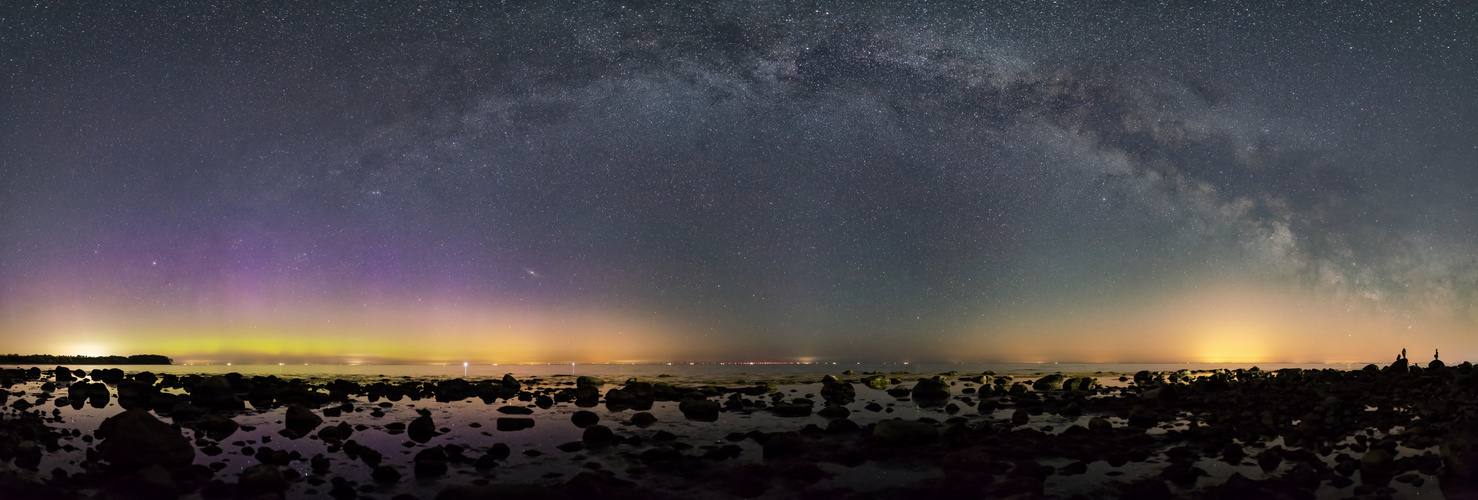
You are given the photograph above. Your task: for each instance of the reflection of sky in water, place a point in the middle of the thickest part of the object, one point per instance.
(552, 466)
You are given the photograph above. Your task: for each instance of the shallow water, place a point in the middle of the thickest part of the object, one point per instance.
(536, 459)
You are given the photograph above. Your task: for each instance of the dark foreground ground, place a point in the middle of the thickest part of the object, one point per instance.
(1395, 432)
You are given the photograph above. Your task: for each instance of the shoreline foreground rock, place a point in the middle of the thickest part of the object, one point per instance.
(1377, 432)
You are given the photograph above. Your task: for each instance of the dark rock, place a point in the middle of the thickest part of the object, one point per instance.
(510, 424)
(704, 410)
(262, 478)
(135, 439)
(878, 382)
(1051, 382)
(931, 389)
(834, 411)
(422, 429)
(583, 418)
(618, 399)
(217, 426)
(300, 420)
(643, 419)
(798, 407)
(589, 381)
(837, 425)
(598, 436)
(216, 393)
(515, 410)
(509, 382)
(784, 444)
(430, 462)
(836, 392)
(903, 432)
(385, 474)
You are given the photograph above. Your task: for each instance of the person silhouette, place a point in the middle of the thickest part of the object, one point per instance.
(1403, 353)
(1436, 353)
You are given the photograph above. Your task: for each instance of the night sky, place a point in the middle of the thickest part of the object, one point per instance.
(739, 181)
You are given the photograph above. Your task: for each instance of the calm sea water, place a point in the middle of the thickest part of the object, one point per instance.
(698, 371)
(536, 458)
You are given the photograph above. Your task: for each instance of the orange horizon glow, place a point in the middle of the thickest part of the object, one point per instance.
(1239, 325)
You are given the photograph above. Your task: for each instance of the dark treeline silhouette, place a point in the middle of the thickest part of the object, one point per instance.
(137, 359)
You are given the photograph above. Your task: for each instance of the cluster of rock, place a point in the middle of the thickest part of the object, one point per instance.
(1374, 426)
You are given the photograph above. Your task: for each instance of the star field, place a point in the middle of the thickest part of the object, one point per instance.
(550, 181)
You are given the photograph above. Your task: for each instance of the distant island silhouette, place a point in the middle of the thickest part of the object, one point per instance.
(137, 359)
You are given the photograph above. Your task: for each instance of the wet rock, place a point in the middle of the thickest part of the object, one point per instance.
(430, 463)
(509, 382)
(216, 393)
(1020, 417)
(834, 411)
(1099, 424)
(879, 382)
(1376, 466)
(784, 444)
(931, 389)
(422, 429)
(643, 419)
(262, 478)
(515, 410)
(1459, 451)
(598, 436)
(217, 426)
(62, 374)
(618, 399)
(385, 474)
(704, 410)
(300, 420)
(837, 392)
(135, 439)
(841, 425)
(511, 424)
(905, 433)
(795, 408)
(583, 418)
(1051, 382)
(1233, 453)
(1270, 458)
(337, 433)
(589, 381)
(150, 482)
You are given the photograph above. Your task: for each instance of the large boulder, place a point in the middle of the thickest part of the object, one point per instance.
(589, 381)
(422, 429)
(836, 391)
(931, 389)
(217, 426)
(63, 374)
(262, 479)
(301, 421)
(879, 382)
(135, 439)
(511, 383)
(1051, 382)
(705, 410)
(215, 393)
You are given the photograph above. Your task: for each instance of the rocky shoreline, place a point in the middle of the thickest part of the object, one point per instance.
(1397, 431)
